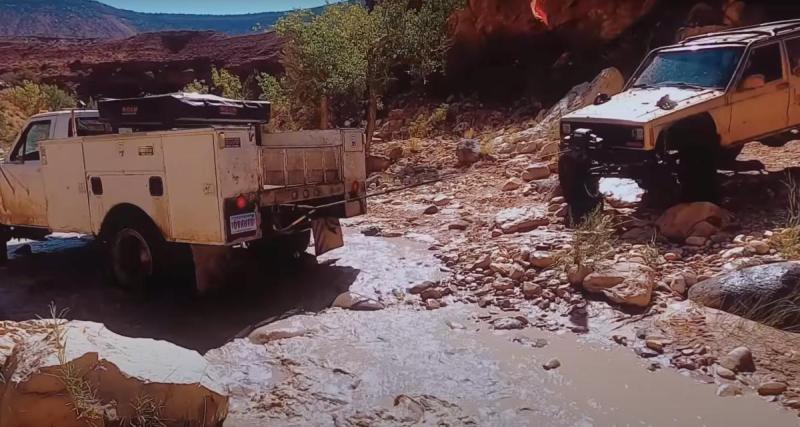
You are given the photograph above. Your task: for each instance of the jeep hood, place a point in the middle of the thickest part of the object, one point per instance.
(641, 105)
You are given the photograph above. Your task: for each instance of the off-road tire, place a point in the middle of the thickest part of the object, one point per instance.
(4, 238)
(136, 254)
(581, 189)
(697, 168)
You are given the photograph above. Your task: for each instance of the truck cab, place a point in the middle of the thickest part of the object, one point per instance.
(22, 196)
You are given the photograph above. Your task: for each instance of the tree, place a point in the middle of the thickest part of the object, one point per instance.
(223, 83)
(349, 51)
(31, 97)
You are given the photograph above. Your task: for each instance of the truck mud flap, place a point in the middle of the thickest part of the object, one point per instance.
(327, 235)
(210, 266)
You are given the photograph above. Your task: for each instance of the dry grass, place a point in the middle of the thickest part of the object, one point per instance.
(415, 145)
(148, 413)
(83, 396)
(592, 241)
(787, 241)
(782, 313)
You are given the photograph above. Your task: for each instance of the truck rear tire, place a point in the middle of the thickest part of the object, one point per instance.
(4, 238)
(581, 189)
(136, 251)
(697, 171)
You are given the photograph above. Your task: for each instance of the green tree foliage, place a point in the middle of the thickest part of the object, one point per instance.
(32, 98)
(27, 98)
(223, 83)
(348, 52)
(283, 109)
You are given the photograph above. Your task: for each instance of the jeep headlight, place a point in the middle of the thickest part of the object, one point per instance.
(637, 134)
(566, 128)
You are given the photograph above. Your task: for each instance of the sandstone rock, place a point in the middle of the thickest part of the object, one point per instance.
(432, 293)
(356, 302)
(422, 287)
(552, 364)
(549, 151)
(377, 163)
(729, 390)
(121, 371)
(745, 291)
(458, 225)
(759, 247)
(655, 345)
(442, 200)
(542, 259)
(512, 184)
(531, 290)
(521, 220)
(679, 222)
(292, 327)
(431, 210)
(725, 373)
(508, 323)
(739, 359)
(432, 304)
(536, 171)
(483, 262)
(529, 147)
(734, 253)
(625, 283)
(577, 274)
(468, 151)
(696, 241)
(772, 388)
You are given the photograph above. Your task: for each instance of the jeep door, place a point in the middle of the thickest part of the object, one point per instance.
(760, 98)
(21, 182)
(793, 54)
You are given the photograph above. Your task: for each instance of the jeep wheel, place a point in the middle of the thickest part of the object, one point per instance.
(135, 255)
(661, 189)
(697, 173)
(581, 189)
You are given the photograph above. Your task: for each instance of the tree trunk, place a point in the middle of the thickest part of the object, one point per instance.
(324, 113)
(372, 117)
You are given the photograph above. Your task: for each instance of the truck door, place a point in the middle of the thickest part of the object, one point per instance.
(760, 100)
(793, 53)
(21, 182)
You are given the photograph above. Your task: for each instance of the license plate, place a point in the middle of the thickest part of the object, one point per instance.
(244, 223)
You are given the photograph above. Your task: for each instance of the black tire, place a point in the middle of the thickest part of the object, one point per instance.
(4, 238)
(136, 252)
(697, 168)
(581, 189)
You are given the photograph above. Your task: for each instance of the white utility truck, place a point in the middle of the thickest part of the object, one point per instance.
(175, 180)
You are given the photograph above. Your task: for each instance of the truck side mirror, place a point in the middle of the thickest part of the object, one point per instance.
(753, 81)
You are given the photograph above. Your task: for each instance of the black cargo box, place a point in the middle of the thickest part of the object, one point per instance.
(181, 110)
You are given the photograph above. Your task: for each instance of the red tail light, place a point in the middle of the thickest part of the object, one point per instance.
(241, 202)
(355, 187)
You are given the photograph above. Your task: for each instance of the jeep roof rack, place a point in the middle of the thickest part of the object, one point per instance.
(759, 31)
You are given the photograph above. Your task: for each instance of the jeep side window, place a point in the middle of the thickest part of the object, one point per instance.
(793, 49)
(764, 62)
(28, 148)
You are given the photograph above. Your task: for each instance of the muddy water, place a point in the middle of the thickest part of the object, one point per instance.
(354, 367)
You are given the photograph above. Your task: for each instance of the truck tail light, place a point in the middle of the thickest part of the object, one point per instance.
(241, 202)
(355, 187)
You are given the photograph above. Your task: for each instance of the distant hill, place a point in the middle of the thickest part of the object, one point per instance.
(92, 19)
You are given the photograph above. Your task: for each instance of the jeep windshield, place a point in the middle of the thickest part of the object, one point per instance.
(711, 68)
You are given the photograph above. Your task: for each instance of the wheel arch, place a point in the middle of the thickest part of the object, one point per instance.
(695, 123)
(121, 214)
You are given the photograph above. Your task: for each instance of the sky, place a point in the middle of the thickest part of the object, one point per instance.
(215, 7)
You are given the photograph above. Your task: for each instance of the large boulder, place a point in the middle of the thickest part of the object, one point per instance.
(626, 283)
(74, 374)
(765, 292)
(468, 151)
(610, 81)
(700, 219)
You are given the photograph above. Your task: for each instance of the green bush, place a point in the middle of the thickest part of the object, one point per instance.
(31, 98)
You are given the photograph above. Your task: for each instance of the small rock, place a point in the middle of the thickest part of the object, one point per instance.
(655, 345)
(442, 200)
(725, 373)
(371, 231)
(356, 302)
(552, 364)
(468, 151)
(512, 184)
(696, 241)
(542, 259)
(422, 287)
(671, 257)
(431, 210)
(759, 247)
(432, 293)
(531, 290)
(771, 388)
(458, 225)
(508, 323)
(729, 390)
(433, 304)
(536, 171)
(455, 325)
(739, 360)
(735, 253)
